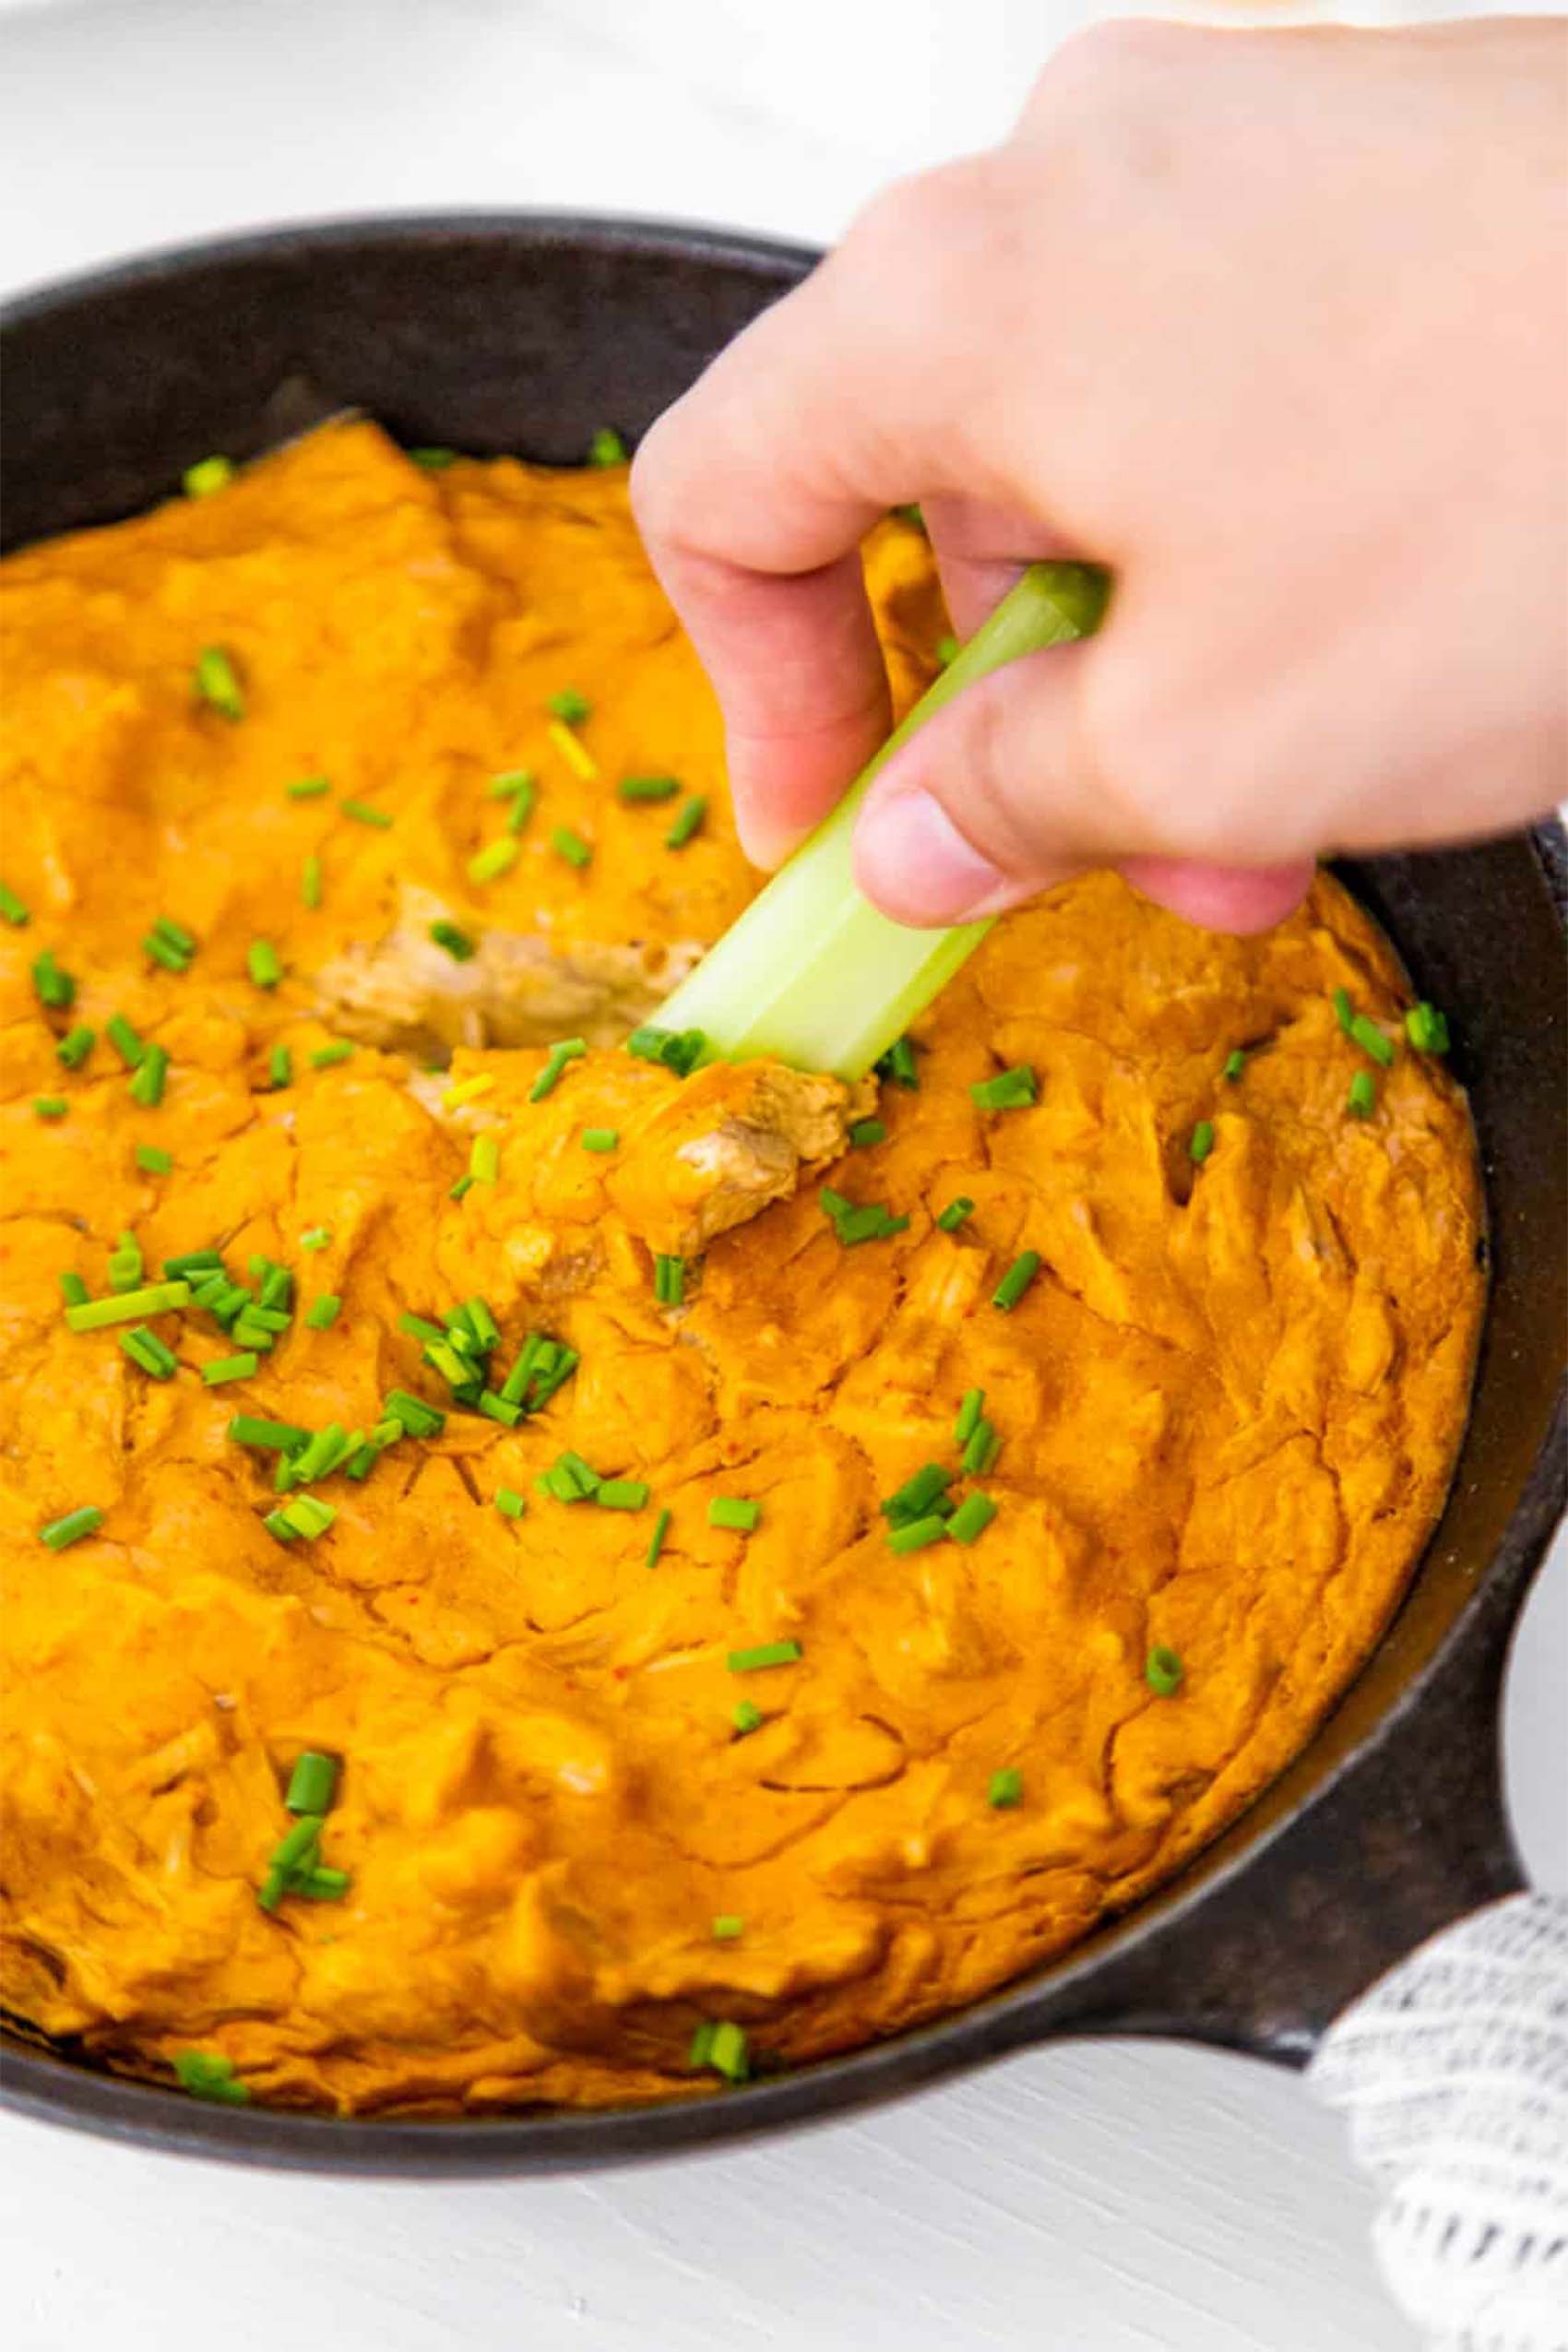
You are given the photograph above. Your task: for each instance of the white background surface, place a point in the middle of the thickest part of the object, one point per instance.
(1096, 2198)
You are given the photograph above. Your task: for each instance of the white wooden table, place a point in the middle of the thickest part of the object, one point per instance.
(1096, 2198)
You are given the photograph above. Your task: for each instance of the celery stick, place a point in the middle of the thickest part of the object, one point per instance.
(812, 974)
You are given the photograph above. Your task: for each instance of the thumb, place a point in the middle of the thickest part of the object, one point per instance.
(997, 799)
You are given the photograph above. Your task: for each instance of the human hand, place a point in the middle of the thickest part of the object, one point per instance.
(1273, 323)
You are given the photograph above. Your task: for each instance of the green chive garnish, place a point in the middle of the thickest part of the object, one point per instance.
(1163, 1671)
(14, 910)
(363, 814)
(670, 1280)
(607, 448)
(433, 461)
(171, 945)
(897, 1065)
(568, 843)
(947, 652)
(146, 1078)
(316, 1237)
(193, 1265)
(953, 1216)
(419, 1419)
(1362, 1100)
(75, 1045)
(1016, 1280)
(218, 682)
(265, 963)
(153, 1161)
(313, 1784)
(328, 1057)
(656, 1543)
(1344, 1012)
(1005, 1787)
(203, 2072)
(728, 2053)
(972, 1518)
(125, 1040)
(309, 787)
(74, 1290)
(323, 1313)
(514, 784)
(222, 1368)
(496, 859)
(746, 1718)
(461, 1188)
(484, 1159)
(764, 1654)
(126, 1265)
(688, 821)
(1201, 1141)
(678, 1050)
(49, 1106)
(1235, 1063)
(569, 707)
(970, 1412)
(144, 1348)
(918, 1495)
(866, 1132)
(980, 1449)
(157, 1298)
(209, 474)
(270, 1437)
(570, 1049)
(1009, 1090)
(281, 1066)
(62, 1532)
(417, 1328)
(914, 1534)
(457, 944)
(727, 1926)
(311, 882)
(509, 1503)
(599, 1138)
(648, 787)
(56, 989)
(1365, 1032)
(621, 1495)
(1427, 1029)
(701, 2044)
(872, 1222)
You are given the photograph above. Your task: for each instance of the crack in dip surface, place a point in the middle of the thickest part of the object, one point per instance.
(567, 1834)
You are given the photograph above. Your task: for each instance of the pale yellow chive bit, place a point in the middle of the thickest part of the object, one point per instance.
(468, 1090)
(496, 859)
(576, 755)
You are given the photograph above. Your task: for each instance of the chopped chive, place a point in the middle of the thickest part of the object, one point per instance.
(678, 1050)
(1362, 1100)
(277, 1287)
(568, 843)
(363, 814)
(195, 1264)
(147, 1077)
(1344, 1012)
(74, 1290)
(897, 1065)
(323, 1313)
(569, 707)
(514, 784)
(670, 1280)
(297, 1848)
(746, 1718)
(621, 1495)
(497, 858)
(126, 1265)
(154, 1161)
(157, 1298)
(569, 1049)
(1201, 1141)
(851, 1226)
(281, 1066)
(456, 942)
(1427, 1029)
(607, 448)
(417, 1328)
(218, 682)
(764, 1654)
(599, 1138)
(311, 875)
(1016, 1280)
(163, 951)
(461, 1189)
(953, 1216)
(313, 1784)
(222, 1368)
(269, 1437)
(509, 1503)
(497, 1408)
(62, 1532)
(865, 1132)
(14, 910)
(648, 787)
(918, 1494)
(981, 1450)
(316, 1237)
(1163, 1671)
(972, 1518)
(468, 1090)
(323, 1885)
(203, 2072)
(151, 1354)
(328, 1057)
(656, 1542)
(432, 461)
(701, 2043)
(419, 1419)
(1009, 1090)
(728, 2053)
(125, 1040)
(56, 989)
(969, 1411)
(308, 1516)
(1365, 1032)
(309, 787)
(265, 963)
(727, 1926)
(75, 1045)
(484, 1159)
(574, 750)
(914, 1534)
(1005, 1787)
(208, 475)
(947, 652)
(49, 1106)
(1235, 1063)
(688, 821)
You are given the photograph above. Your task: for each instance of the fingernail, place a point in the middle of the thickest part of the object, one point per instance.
(911, 859)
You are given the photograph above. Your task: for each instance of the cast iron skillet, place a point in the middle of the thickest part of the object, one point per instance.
(524, 333)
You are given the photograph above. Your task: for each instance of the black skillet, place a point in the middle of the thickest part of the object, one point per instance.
(523, 334)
